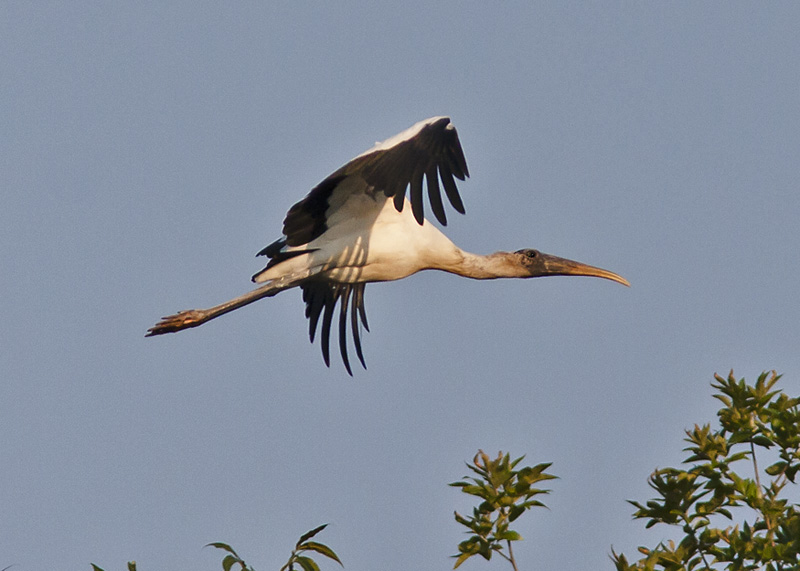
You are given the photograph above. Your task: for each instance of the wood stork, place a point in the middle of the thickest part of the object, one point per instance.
(357, 227)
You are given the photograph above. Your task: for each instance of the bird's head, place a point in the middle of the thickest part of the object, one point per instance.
(535, 264)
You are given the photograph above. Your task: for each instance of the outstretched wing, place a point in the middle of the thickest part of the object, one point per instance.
(430, 150)
(321, 299)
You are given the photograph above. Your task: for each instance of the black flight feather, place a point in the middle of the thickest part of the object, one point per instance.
(358, 290)
(321, 299)
(416, 195)
(435, 196)
(332, 294)
(346, 290)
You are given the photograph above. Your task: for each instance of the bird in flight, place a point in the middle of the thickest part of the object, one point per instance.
(359, 226)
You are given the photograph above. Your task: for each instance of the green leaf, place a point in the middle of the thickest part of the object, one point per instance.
(462, 520)
(471, 545)
(461, 558)
(764, 441)
(131, 565)
(94, 567)
(321, 549)
(223, 546)
(480, 491)
(230, 561)
(307, 563)
(776, 468)
(458, 484)
(509, 536)
(310, 534)
(515, 512)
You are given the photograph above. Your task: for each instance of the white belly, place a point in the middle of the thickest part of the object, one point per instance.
(395, 247)
(389, 246)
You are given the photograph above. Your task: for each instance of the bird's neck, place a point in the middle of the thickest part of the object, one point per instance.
(490, 267)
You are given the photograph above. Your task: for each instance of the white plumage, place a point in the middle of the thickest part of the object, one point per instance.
(357, 226)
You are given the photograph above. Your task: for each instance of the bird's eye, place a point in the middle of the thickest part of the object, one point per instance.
(531, 253)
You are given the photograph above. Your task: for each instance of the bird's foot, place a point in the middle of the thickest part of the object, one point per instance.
(177, 322)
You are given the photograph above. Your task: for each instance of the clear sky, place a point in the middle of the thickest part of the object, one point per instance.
(150, 149)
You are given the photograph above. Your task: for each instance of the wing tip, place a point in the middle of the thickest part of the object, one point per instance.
(321, 299)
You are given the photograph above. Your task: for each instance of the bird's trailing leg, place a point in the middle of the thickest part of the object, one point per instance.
(194, 317)
(181, 320)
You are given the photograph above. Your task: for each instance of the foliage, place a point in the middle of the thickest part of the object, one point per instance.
(705, 496)
(507, 493)
(297, 558)
(231, 559)
(732, 514)
(303, 544)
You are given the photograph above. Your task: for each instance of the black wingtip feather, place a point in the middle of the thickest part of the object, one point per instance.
(322, 296)
(361, 307)
(450, 188)
(416, 197)
(399, 200)
(327, 318)
(458, 161)
(435, 196)
(354, 324)
(314, 306)
(346, 290)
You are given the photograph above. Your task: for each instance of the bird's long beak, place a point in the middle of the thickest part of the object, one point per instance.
(555, 266)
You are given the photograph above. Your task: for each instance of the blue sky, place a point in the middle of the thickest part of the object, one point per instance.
(150, 150)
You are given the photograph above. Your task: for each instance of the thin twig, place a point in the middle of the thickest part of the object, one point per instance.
(767, 520)
(511, 554)
(755, 469)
